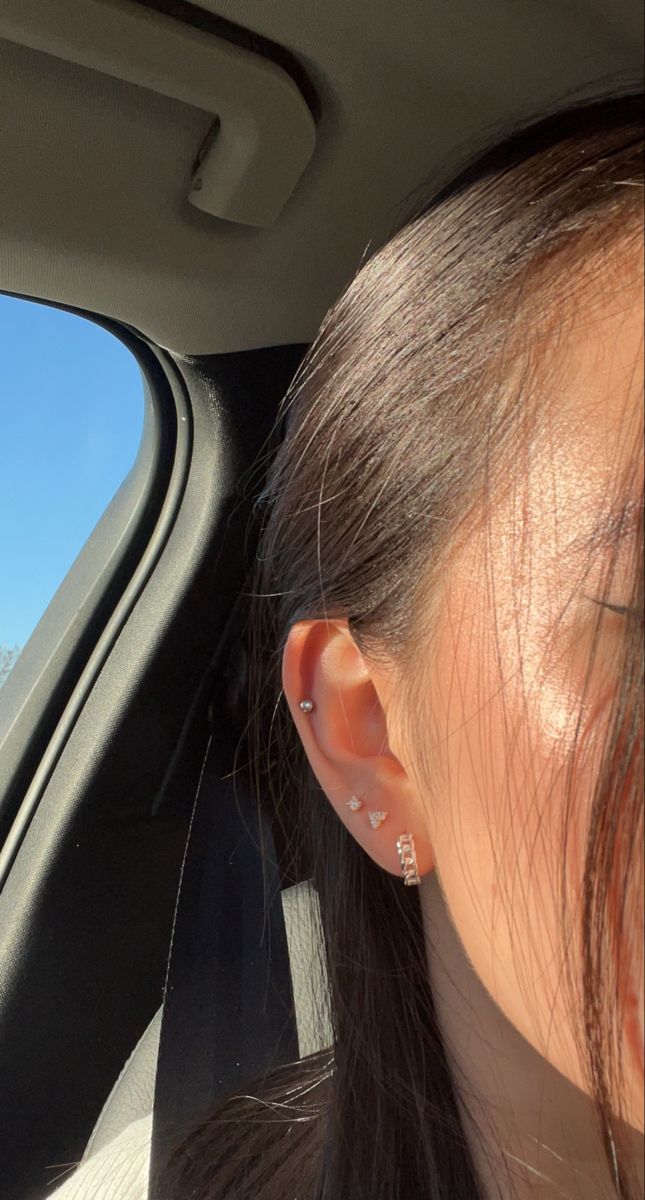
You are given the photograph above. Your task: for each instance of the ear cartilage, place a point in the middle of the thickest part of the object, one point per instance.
(376, 819)
(408, 859)
(354, 804)
(306, 706)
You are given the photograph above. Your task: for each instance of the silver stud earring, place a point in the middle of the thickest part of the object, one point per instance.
(354, 804)
(408, 859)
(306, 705)
(376, 819)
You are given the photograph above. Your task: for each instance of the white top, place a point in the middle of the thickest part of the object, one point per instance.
(119, 1171)
(117, 1158)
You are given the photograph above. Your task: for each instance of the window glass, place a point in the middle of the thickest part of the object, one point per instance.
(71, 413)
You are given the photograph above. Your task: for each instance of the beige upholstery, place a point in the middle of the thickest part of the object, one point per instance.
(308, 973)
(132, 1096)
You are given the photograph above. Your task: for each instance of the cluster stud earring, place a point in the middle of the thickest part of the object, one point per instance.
(376, 819)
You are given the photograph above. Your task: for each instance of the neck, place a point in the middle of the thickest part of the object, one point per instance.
(533, 1133)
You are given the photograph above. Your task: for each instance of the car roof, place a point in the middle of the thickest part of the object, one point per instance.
(94, 206)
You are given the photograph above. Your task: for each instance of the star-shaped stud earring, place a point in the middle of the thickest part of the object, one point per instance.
(354, 804)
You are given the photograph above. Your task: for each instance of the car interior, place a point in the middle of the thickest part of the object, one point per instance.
(203, 180)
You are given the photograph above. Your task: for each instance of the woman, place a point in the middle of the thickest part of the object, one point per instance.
(454, 547)
(447, 699)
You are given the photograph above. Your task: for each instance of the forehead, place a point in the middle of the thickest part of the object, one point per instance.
(591, 356)
(573, 462)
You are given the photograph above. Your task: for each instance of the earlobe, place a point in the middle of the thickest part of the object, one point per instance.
(343, 726)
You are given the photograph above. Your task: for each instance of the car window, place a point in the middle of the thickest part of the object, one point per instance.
(71, 410)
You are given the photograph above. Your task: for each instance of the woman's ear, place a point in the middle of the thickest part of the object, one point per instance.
(339, 703)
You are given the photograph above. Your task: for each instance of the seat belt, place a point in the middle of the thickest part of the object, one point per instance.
(228, 1013)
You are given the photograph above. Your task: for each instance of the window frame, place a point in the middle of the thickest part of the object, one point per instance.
(50, 681)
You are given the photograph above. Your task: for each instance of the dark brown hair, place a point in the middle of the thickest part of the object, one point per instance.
(394, 429)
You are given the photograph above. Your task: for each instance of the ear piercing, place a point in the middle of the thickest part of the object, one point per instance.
(375, 818)
(404, 843)
(408, 859)
(354, 804)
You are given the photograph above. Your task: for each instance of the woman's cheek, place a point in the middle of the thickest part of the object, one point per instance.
(625, 908)
(499, 846)
(589, 671)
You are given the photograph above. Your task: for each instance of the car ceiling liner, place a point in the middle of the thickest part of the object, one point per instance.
(262, 134)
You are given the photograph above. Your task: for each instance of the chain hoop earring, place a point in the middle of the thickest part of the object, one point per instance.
(408, 859)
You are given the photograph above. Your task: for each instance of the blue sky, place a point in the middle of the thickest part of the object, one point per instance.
(71, 415)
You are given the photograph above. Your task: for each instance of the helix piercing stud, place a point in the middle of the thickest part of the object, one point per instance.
(376, 819)
(306, 705)
(354, 804)
(408, 859)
